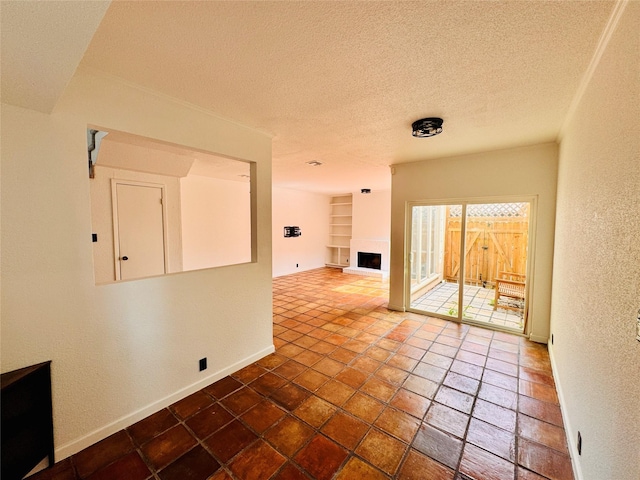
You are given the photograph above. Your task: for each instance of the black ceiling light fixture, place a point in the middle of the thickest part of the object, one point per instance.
(427, 127)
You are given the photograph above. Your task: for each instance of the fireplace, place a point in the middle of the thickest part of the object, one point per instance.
(370, 260)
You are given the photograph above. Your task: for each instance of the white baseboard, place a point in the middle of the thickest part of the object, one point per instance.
(573, 450)
(397, 308)
(101, 433)
(538, 339)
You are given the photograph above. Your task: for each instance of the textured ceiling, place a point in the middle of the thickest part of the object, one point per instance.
(42, 44)
(341, 82)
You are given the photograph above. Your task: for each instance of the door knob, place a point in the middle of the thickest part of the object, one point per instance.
(125, 258)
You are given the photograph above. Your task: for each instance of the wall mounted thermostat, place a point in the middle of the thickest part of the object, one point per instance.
(292, 232)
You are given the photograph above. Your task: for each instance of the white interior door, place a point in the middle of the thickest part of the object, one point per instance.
(139, 231)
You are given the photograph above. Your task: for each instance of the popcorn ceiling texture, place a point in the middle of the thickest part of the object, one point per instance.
(596, 285)
(341, 82)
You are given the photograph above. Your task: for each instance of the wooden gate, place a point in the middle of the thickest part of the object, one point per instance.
(497, 240)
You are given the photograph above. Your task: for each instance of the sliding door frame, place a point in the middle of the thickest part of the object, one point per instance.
(464, 202)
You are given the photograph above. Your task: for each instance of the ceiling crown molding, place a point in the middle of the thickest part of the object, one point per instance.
(607, 33)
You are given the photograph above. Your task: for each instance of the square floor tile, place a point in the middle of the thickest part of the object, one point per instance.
(290, 396)
(492, 439)
(461, 383)
(430, 372)
(146, 429)
(447, 419)
(440, 446)
(495, 415)
(258, 462)
(364, 407)
(223, 387)
(397, 423)
(209, 420)
(102, 453)
(196, 464)
(168, 446)
(379, 389)
(455, 399)
(543, 433)
(335, 392)
(544, 460)
(352, 377)
(499, 396)
(290, 369)
(131, 466)
(315, 411)
(321, 458)
(478, 463)
(263, 416)
(241, 400)
(382, 451)
(545, 411)
(267, 383)
(410, 402)
(311, 380)
(230, 440)
(357, 469)
(421, 467)
(290, 472)
(421, 386)
(289, 435)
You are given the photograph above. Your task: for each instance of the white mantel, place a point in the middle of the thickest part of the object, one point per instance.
(368, 246)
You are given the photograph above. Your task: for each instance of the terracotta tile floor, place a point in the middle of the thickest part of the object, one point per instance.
(354, 391)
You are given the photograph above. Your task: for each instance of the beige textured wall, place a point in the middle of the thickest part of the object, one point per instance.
(371, 217)
(596, 284)
(124, 350)
(216, 222)
(310, 212)
(509, 175)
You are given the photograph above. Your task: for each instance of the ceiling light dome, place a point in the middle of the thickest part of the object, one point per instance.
(427, 127)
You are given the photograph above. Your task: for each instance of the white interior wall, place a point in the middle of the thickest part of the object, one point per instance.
(124, 350)
(596, 282)
(310, 212)
(506, 174)
(372, 215)
(216, 222)
(371, 224)
(102, 218)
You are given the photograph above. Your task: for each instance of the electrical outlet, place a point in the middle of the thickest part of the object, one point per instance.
(296, 265)
(203, 363)
(579, 444)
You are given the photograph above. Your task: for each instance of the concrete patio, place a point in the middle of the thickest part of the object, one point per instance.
(477, 305)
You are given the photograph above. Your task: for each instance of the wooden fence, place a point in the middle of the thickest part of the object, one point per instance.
(493, 244)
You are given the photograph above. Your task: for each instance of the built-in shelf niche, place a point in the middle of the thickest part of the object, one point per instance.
(340, 221)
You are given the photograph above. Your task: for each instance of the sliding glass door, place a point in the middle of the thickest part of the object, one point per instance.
(430, 291)
(468, 262)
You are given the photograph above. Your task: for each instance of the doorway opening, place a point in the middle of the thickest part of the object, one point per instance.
(468, 262)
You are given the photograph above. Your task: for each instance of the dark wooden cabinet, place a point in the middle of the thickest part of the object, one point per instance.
(27, 422)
